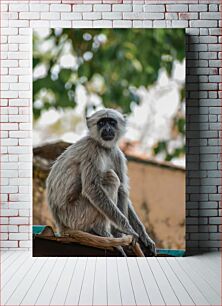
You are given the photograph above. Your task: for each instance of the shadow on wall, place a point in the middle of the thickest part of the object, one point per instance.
(194, 194)
(157, 191)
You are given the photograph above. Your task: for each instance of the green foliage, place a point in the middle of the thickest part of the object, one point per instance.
(122, 59)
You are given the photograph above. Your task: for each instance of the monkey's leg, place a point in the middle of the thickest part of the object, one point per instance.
(140, 229)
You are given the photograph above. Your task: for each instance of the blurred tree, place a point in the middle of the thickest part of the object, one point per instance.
(111, 63)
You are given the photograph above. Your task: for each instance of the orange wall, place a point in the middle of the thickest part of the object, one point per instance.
(158, 195)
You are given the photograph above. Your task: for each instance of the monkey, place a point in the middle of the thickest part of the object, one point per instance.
(87, 186)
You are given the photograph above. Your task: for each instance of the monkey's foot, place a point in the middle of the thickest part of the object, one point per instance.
(150, 244)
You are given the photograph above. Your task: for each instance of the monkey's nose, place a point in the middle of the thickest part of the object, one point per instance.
(107, 134)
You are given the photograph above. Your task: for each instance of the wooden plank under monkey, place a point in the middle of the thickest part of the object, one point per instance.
(87, 239)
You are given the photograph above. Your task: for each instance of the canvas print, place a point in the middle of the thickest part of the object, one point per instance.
(109, 142)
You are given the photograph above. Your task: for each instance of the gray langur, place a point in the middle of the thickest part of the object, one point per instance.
(87, 187)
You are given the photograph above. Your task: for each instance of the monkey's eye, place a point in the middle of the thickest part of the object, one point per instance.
(113, 122)
(101, 123)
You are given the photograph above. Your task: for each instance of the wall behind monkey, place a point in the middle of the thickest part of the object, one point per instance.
(200, 18)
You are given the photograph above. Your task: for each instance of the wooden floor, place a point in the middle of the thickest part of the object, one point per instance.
(110, 281)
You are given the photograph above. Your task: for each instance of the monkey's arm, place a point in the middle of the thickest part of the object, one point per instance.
(123, 193)
(140, 229)
(93, 191)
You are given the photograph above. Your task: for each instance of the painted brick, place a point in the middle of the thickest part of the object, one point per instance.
(39, 7)
(82, 7)
(39, 24)
(4, 7)
(18, 236)
(18, 220)
(137, 7)
(92, 15)
(203, 23)
(122, 23)
(173, 16)
(162, 23)
(71, 16)
(135, 15)
(177, 8)
(122, 7)
(210, 15)
(215, 220)
(51, 15)
(9, 212)
(25, 244)
(102, 7)
(29, 15)
(9, 244)
(208, 39)
(60, 7)
(187, 16)
(9, 142)
(18, 23)
(82, 23)
(9, 126)
(24, 229)
(19, 118)
(60, 24)
(180, 23)
(147, 23)
(154, 8)
(198, 8)
(18, 7)
(102, 24)
(213, 7)
(112, 15)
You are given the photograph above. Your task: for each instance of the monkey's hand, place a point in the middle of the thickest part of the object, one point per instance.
(149, 243)
(130, 231)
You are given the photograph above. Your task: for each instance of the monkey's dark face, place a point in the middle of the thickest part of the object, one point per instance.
(107, 128)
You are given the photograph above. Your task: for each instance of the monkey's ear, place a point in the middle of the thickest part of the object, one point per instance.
(125, 116)
(88, 121)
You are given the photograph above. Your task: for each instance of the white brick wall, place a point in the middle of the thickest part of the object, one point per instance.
(201, 19)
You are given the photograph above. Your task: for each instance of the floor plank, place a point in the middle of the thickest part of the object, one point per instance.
(13, 270)
(100, 283)
(19, 292)
(9, 287)
(208, 292)
(47, 292)
(190, 286)
(211, 260)
(139, 289)
(165, 287)
(39, 283)
(10, 261)
(178, 287)
(4, 255)
(150, 283)
(86, 294)
(213, 279)
(74, 290)
(63, 285)
(126, 289)
(113, 285)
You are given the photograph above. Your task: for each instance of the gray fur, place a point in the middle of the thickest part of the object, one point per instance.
(87, 187)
